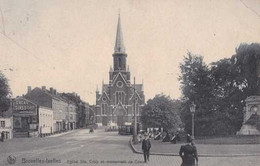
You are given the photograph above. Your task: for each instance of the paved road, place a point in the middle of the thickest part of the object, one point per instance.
(81, 148)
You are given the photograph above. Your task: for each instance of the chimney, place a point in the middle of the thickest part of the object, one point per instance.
(51, 90)
(54, 91)
(43, 87)
(29, 89)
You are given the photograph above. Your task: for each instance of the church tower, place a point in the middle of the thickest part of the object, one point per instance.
(115, 103)
(119, 50)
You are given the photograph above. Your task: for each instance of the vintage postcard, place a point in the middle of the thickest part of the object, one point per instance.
(129, 82)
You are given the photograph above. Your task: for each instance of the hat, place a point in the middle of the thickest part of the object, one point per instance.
(189, 138)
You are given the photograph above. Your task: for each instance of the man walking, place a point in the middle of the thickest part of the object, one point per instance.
(188, 153)
(146, 145)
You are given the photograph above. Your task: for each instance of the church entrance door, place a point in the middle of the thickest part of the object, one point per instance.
(104, 121)
(120, 120)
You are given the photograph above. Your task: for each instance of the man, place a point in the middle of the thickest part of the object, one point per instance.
(188, 153)
(2, 136)
(146, 145)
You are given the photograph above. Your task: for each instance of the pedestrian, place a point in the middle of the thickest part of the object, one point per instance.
(146, 146)
(188, 153)
(2, 136)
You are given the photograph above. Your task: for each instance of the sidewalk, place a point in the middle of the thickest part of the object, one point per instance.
(169, 149)
(61, 134)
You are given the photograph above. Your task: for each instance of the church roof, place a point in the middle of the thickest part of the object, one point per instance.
(138, 87)
(105, 87)
(119, 45)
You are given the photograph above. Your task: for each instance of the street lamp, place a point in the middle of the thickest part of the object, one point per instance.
(192, 110)
(135, 140)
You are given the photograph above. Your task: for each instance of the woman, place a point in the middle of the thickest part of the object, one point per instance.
(189, 153)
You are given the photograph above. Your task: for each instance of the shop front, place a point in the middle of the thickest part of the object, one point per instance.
(25, 118)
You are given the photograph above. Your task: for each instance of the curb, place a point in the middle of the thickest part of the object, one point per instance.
(61, 134)
(200, 155)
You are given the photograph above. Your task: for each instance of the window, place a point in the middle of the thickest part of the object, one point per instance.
(120, 97)
(2, 124)
(103, 108)
(119, 84)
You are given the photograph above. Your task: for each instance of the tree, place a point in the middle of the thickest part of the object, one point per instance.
(196, 86)
(227, 97)
(4, 94)
(246, 64)
(161, 111)
(219, 90)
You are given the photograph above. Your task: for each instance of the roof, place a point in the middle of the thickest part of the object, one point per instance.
(138, 87)
(105, 87)
(119, 45)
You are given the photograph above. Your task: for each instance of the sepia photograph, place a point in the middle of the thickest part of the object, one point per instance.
(129, 82)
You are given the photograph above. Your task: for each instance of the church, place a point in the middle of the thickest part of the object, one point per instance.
(115, 103)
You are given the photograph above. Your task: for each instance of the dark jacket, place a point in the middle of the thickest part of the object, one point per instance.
(188, 154)
(146, 145)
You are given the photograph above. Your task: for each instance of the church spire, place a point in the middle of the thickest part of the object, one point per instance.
(119, 45)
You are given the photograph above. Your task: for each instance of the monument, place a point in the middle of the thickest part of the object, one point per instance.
(251, 120)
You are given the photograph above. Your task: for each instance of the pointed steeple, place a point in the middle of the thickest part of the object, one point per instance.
(119, 45)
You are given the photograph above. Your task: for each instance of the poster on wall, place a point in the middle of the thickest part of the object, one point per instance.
(17, 122)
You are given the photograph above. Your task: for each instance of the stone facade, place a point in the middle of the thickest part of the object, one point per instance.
(6, 126)
(115, 102)
(50, 99)
(251, 117)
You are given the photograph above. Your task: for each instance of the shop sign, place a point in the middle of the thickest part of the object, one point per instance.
(22, 106)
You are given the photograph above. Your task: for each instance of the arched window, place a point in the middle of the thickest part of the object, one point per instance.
(103, 108)
(120, 97)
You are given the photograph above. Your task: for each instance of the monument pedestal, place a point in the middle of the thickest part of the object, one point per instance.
(251, 116)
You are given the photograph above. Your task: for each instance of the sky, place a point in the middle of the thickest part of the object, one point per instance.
(68, 45)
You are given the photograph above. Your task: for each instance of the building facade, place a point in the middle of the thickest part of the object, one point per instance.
(72, 115)
(115, 103)
(25, 117)
(45, 121)
(50, 99)
(6, 126)
(30, 119)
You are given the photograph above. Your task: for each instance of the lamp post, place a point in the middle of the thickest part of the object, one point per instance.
(192, 110)
(135, 140)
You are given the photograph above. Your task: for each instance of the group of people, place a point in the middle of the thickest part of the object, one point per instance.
(188, 152)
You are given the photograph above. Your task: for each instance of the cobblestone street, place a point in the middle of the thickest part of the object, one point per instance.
(100, 148)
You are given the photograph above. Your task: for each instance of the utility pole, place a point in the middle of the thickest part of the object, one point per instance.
(135, 141)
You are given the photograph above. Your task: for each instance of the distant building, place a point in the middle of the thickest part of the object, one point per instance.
(83, 114)
(30, 119)
(115, 102)
(46, 124)
(6, 126)
(73, 116)
(51, 99)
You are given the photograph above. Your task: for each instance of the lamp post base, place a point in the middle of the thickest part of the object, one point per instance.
(135, 140)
